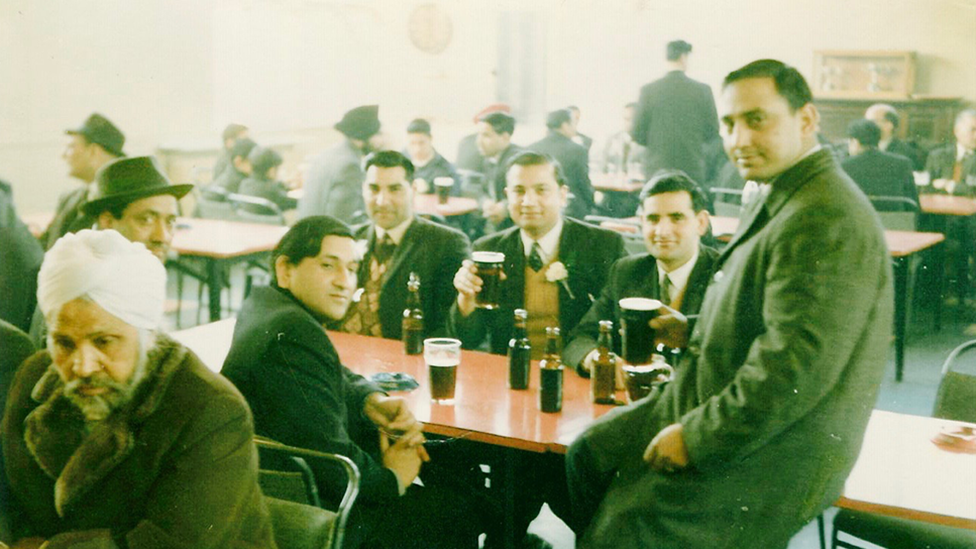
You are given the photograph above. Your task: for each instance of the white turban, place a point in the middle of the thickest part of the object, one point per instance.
(122, 277)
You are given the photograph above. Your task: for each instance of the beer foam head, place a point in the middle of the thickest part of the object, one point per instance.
(639, 304)
(488, 257)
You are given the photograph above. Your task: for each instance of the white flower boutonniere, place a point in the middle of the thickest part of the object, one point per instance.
(558, 274)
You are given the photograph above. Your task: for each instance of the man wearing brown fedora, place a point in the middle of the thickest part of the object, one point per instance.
(134, 197)
(96, 143)
(335, 178)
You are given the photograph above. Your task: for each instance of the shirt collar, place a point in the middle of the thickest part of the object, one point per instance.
(679, 277)
(396, 233)
(549, 243)
(961, 152)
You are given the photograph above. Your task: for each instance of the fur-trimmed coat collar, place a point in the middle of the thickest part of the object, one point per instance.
(55, 432)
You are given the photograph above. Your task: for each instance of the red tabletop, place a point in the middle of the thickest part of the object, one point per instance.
(942, 204)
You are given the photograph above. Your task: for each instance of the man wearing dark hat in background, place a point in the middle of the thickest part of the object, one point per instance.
(135, 198)
(232, 134)
(675, 118)
(96, 143)
(334, 183)
(427, 162)
(572, 157)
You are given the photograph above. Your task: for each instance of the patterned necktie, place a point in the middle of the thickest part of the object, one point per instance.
(535, 257)
(384, 249)
(666, 290)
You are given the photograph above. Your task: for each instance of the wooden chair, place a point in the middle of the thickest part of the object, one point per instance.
(956, 399)
(298, 520)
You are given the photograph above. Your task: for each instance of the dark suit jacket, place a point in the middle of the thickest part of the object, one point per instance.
(910, 151)
(334, 185)
(675, 117)
(435, 253)
(230, 179)
(634, 276)
(879, 173)
(941, 164)
(274, 191)
(778, 382)
(68, 217)
(438, 167)
(15, 347)
(495, 172)
(20, 260)
(283, 363)
(588, 266)
(468, 156)
(574, 161)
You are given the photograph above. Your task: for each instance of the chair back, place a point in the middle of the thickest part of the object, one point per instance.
(299, 526)
(897, 213)
(956, 396)
(302, 495)
(254, 209)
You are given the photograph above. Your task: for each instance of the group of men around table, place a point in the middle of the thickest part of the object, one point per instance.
(117, 436)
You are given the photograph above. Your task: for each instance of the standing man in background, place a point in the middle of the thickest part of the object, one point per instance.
(675, 118)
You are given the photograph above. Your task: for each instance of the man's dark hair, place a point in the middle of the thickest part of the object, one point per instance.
(242, 148)
(673, 181)
(500, 122)
(304, 239)
(891, 115)
(262, 160)
(790, 84)
(532, 158)
(419, 125)
(866, 132)
(233, 130)
(676, 49)
(557, 118)
(389, 159)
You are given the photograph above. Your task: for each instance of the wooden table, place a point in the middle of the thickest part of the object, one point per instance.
(220, 243)
(942, 204)
(899, 471)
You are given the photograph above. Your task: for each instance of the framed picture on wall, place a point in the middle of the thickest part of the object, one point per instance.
(857, 74)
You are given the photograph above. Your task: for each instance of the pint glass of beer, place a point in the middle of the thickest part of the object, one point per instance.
(443, 186)
(635, 331)
(489, 266)
(442, 356)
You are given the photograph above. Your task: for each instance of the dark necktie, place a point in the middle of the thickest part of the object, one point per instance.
(384, 249)
(535, 258)
(666, 290)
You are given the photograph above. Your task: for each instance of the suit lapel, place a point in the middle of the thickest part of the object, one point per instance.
(511, 246)
(755, 218)
(403, 250)
(370, 234)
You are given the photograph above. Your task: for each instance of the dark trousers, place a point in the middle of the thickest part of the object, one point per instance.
(586, 486)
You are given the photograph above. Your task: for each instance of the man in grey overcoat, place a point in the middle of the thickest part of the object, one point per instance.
(758, 431)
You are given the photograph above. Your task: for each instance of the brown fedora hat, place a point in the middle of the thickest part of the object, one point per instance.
(127, 180)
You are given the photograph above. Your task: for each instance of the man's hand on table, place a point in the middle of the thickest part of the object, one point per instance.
(394, 419)
(667, 452)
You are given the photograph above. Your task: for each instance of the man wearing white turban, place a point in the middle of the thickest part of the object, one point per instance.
(118, 436)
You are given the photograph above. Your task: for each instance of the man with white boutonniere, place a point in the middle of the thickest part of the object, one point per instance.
(554, 267)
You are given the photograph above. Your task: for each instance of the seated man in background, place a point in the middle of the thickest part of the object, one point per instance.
(620, 150)
(283, 362)
(263, 181)
(887, 119)
(495, 143)
(119, 436)
(399, 244)
(468, 156)
(333, 185)
(239, 168)
(572, 159)
(877, 173)
(96, 143)
(427, 162)
(676, 270)
(952, 169)
(135, 198)
(232, 134)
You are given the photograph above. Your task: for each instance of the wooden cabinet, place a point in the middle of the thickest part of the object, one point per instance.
(925, 120)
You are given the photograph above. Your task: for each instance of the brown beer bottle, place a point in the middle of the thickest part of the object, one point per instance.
(413, 319)
(519, 353)
(603, 376)
(551, 374)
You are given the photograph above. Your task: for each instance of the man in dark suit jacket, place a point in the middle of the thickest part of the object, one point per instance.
(887, 119)
(572, 160)
(427, 162)
(675, 118)
(584, 253)
(20, 259)
(952, 169)
(676, 270)
(580, 139)
(238, 168)
(284, 364)
(334, 183)
(494, 140)
(771, 398)
(232, 133)
(397, 243)
(96, 143)
(878, 173)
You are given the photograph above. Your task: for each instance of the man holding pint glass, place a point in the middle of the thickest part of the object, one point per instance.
(282, 361)
(550, 266)
(763, 422)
